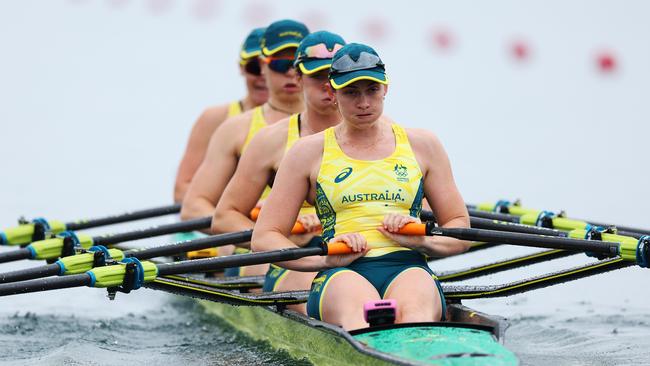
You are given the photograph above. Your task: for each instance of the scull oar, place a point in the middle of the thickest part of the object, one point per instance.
(38, 228)
(130, 274)
(547, 219)
(65, 243)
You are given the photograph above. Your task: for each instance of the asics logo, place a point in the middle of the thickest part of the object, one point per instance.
(343, 175)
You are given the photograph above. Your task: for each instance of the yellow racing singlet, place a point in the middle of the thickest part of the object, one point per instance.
(234, 109)
(293, 135)
(354, 195)
(257, 123)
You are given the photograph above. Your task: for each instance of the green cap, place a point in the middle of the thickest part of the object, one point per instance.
(315, 52)
(281, 35)
(251, 46)
(356, 62)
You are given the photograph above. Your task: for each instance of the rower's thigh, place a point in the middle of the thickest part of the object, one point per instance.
(418, 298)
(342, 298)
(295, 281)
(255, 270)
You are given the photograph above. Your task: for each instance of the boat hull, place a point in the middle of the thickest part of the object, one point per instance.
(323, 344)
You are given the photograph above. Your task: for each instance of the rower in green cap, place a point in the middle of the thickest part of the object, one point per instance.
(259, 163)
(278, 46)
(212, 117)
(367, 178)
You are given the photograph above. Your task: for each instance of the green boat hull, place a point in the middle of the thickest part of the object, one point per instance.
(323, 344)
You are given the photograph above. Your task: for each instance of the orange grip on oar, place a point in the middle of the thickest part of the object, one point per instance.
(414, 229)
(255, 213)
(297, 227)
(338, 248)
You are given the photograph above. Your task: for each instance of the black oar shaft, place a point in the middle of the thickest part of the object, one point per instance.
(211, 264)
(125, 217)
(30, 273)
(487, 224)
(539, 241)
(177, 227)
(44, 284)
(196, 244)
(493, 215)
(15, 255)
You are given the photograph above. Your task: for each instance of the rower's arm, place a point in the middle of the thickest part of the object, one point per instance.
(246, 186)
(214, 173)
(442, 194)
(196, 148)
(291, 187)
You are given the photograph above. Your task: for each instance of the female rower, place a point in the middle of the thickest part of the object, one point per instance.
(367, 178)
(258, 165)
(227, 143)
(212, 117)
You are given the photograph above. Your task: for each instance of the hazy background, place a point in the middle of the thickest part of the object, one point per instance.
(546, 101)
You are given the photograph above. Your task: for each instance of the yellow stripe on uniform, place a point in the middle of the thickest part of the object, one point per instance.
(354, 195)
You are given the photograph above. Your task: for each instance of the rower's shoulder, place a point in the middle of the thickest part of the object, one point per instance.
(272, 137)
(214, 115)
(277, 130)
(422, 136)
(311, 145)
(238, 121)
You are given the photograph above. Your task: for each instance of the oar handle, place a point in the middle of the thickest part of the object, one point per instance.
(413, 229)
(297, 227)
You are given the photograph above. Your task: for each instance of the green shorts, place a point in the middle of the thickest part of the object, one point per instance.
(379, 271)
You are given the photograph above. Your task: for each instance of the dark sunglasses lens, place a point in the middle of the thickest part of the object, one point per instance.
(280, 66)
(253, 67)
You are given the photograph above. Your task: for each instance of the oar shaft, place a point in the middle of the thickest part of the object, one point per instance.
(539, 241)
(196, 244)
(30, 273)
(125, 217)
(240, 260)
(487, 224)
(44, 284)
(15, 255)
(177, 227)
(493, 215)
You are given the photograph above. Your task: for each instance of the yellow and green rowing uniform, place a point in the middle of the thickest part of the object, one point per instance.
(275, 274)
(353, 196)
(235, 108)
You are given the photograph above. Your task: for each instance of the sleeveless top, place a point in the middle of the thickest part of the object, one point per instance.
(234, 109)
(354, 195)
(257, 123)
(292, 136)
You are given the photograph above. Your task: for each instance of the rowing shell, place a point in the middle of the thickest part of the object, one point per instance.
(467, 338)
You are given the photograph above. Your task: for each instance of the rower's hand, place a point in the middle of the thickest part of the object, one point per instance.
(391, 225)
(356, 242)
(310, 222)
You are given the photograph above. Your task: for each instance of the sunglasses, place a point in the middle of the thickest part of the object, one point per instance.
(318, 52)
(253, 67)
(364, 62)
(279, 64)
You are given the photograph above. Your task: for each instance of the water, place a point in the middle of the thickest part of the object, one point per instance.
(175, 332)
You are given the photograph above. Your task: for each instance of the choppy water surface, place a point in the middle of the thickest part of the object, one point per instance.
(178, 332)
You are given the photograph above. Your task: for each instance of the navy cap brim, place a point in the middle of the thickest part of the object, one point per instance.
(315, 65)
(340, 81)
